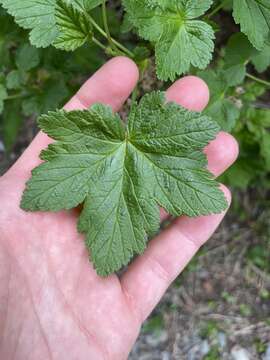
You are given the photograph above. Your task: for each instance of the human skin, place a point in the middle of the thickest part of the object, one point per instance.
(53, 305)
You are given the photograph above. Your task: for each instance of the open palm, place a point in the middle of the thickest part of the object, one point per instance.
(52, 303)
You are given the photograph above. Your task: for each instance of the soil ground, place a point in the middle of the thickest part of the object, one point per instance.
(219, 308)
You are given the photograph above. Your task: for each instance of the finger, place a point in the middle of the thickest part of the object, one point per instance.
(111, 84)
(192, 93)
(221, 154)
(150, 274)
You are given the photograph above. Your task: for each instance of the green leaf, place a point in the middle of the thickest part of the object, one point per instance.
(27, 57)
(122, 174)
(180, 40)
(220, 107)
(257, 122)
(238, 52)
(261, 60)
(30, 106)
(74, 26)
(126, 25)
(52, 96)
(3, 96)
(238, 49)
(37, 16)
(235, 74)
(228, 5)
(11, 123)
(241, 174)
(84, 4)
(141, 53)
(15, 79)
(265, 148)
(5, 58)
(225, 112)
(254, 19)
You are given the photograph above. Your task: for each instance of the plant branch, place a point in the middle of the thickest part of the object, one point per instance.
(216, 9)
(258, 80)
(99, 44)
(124, 49)
(106, 26)
(17, 96)
(103, 33)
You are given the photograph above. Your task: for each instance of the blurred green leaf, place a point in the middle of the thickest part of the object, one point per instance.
(3, 96)
(154, 324)
(261, 59)
(238, 52)
(15, 79)
(52, 97)
(220, 107)
(12, 121)
(27, 57)
(141, 53)
(259, 256)
(265, 148)
(240, 174)
(74, 26)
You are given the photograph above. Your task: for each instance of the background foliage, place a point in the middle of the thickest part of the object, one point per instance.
(35, 80)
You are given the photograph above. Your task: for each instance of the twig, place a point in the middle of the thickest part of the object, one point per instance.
(258, 80)
(249, 329)
(265, 277)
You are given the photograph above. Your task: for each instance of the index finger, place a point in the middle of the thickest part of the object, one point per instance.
(111, 85)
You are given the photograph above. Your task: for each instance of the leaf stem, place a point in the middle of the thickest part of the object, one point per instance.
(124, 49)
(103, 33)
(216, 9)
(17, 96)
(134, 97)
(106, 26)
(258, 80)
(99, 44)
(135, 92)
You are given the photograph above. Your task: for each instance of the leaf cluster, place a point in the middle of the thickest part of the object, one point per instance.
(180, 31)
(35, 80)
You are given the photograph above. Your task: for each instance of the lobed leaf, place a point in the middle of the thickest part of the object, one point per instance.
(180, 41)
(122, 174)
(39, 16)
(254, 19)
(73, 24)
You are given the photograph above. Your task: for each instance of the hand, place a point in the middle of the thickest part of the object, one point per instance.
(52, 303)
